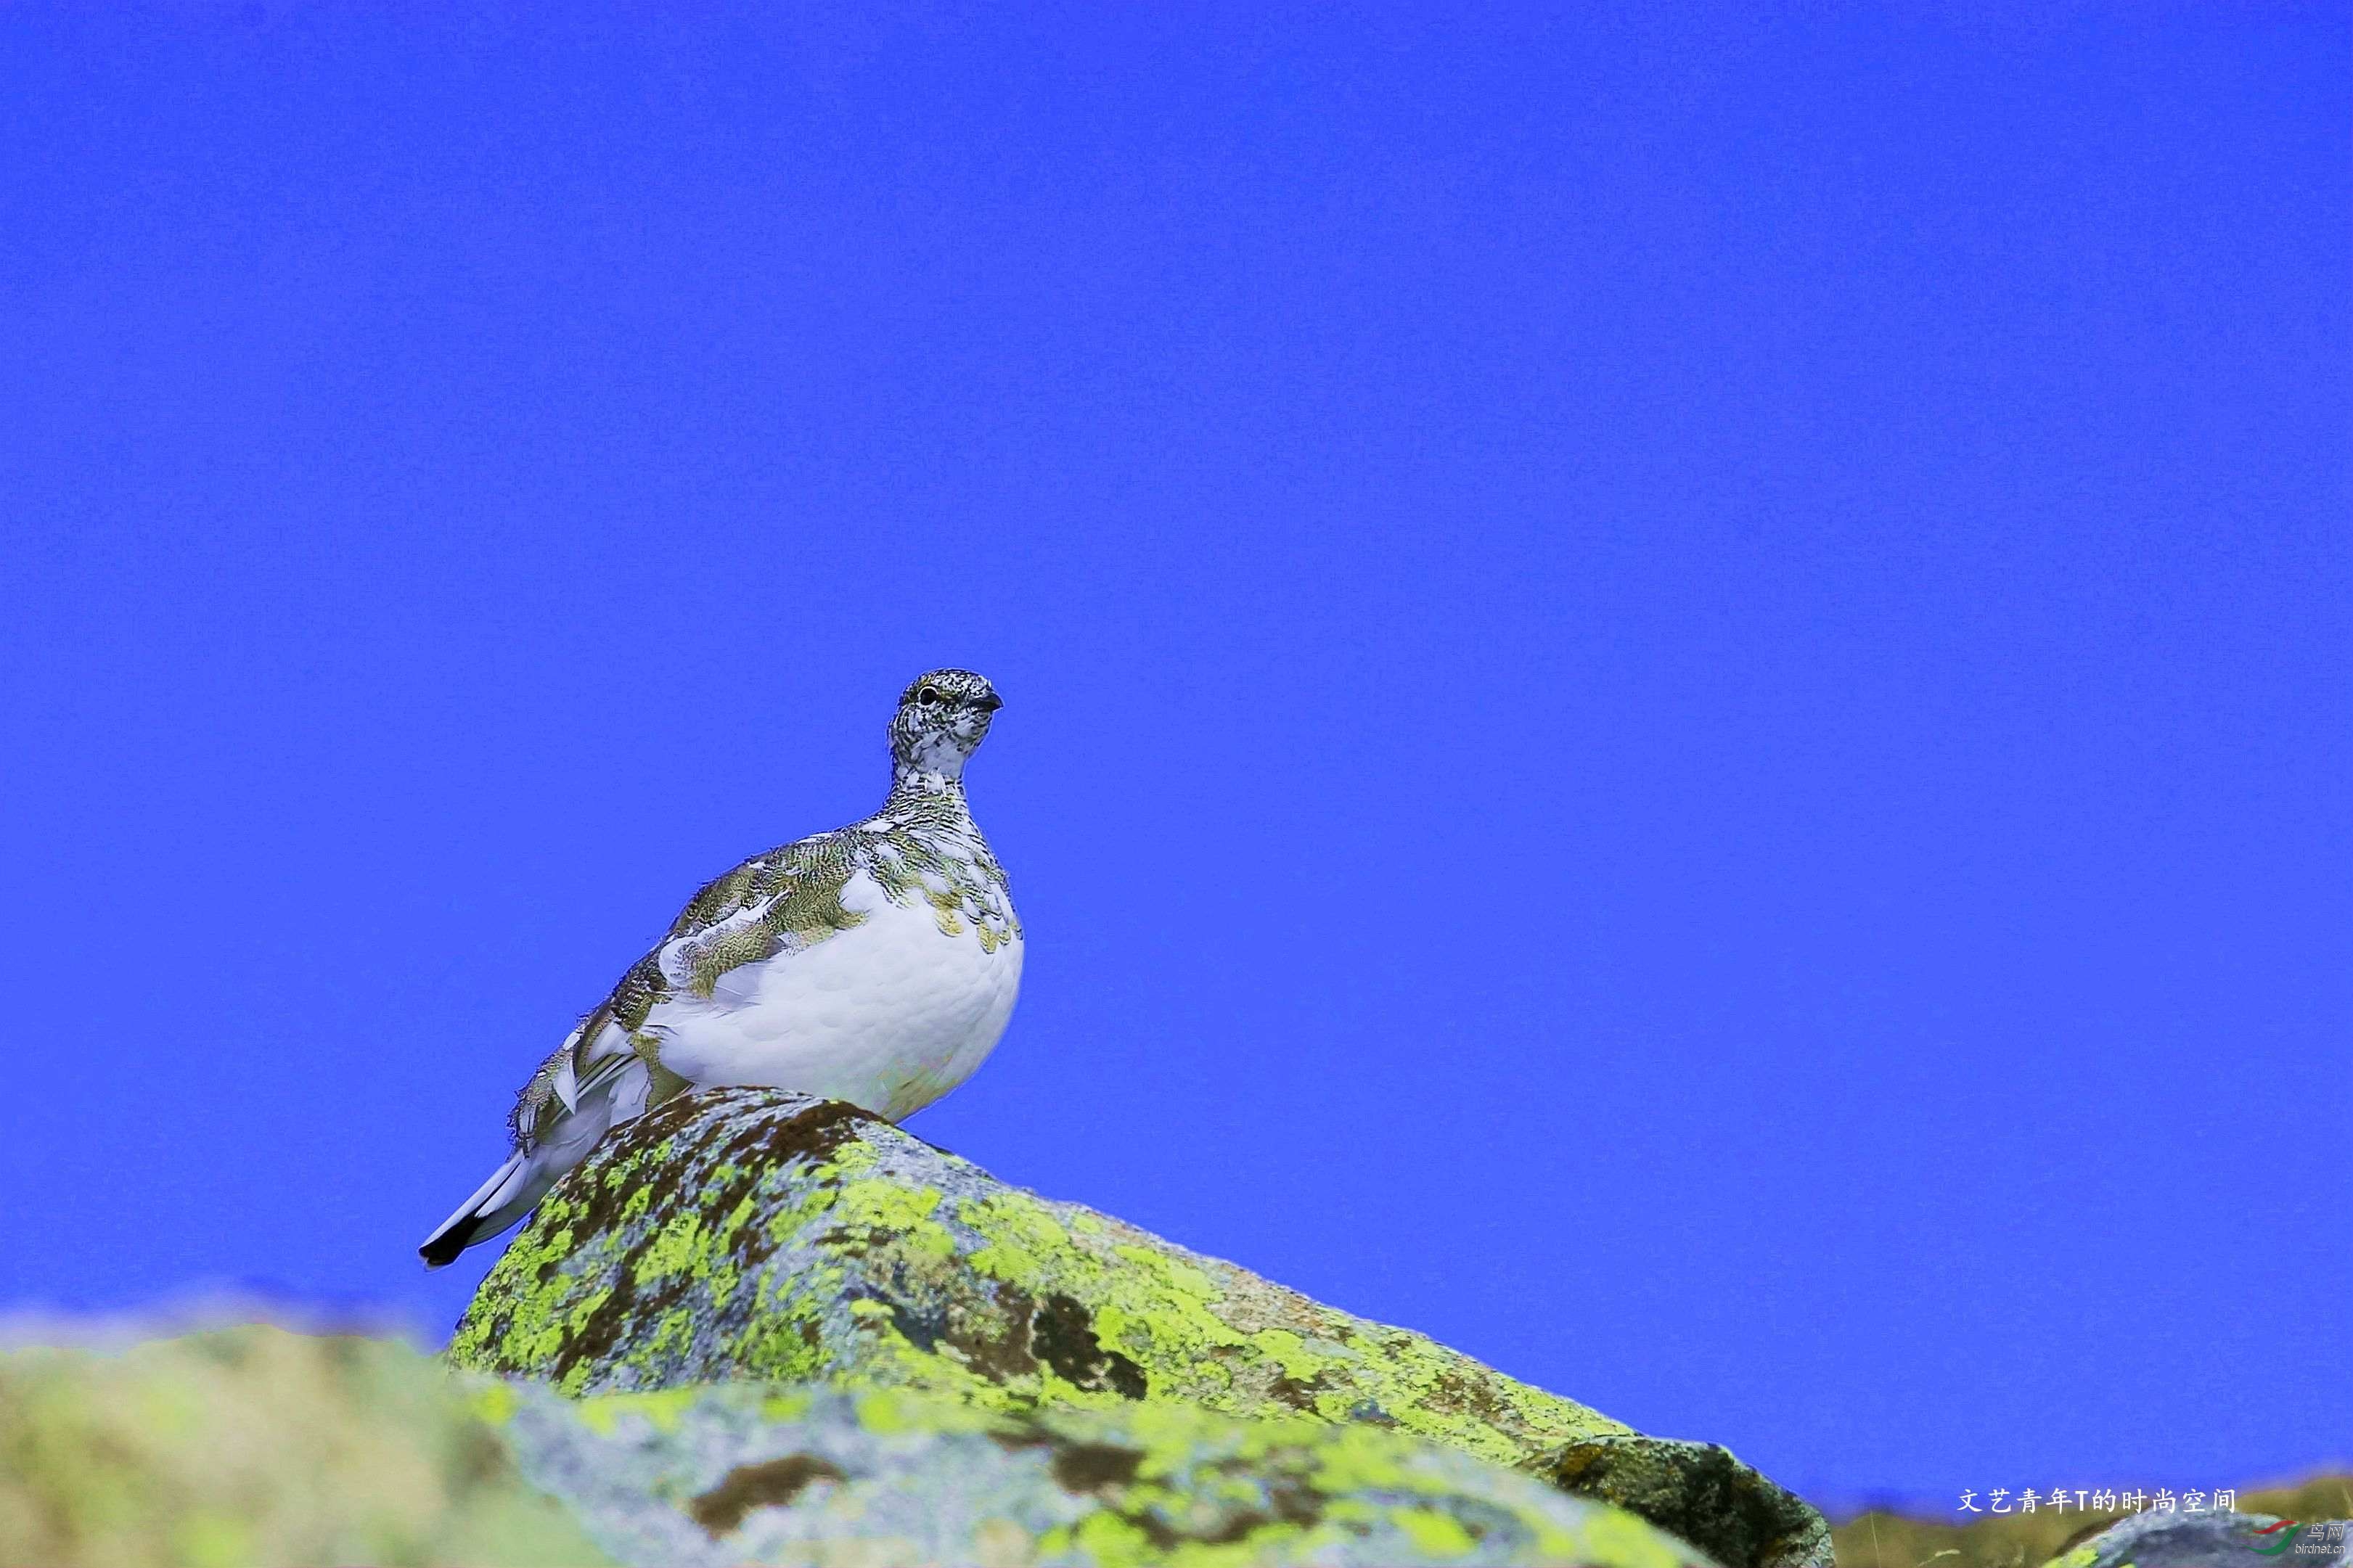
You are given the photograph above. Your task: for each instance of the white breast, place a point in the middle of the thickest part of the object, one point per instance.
(889, 1015)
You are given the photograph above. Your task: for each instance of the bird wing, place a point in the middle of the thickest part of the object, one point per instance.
(780, 902)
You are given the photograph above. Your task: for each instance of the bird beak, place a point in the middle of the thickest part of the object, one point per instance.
(990, 704)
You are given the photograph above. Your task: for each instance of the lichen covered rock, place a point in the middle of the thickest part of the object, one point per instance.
(250, 1446)
(735, 1473)
(761, 1236)
(757, 1234)
(2212, 1539)
(1697, 1490)
(254, 1445)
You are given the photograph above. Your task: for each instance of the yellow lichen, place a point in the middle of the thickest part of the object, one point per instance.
(1619, 1539)
(1433, 1534)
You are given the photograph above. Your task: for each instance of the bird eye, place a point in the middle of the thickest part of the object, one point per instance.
(928, 695)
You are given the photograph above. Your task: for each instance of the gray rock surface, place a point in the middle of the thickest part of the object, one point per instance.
(736, 1474)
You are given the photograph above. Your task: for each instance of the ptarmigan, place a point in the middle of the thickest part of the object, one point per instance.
(876, 964)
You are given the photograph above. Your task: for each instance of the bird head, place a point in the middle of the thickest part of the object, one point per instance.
(943, 717)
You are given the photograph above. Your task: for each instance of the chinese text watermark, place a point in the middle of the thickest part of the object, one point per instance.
(2089, 1500)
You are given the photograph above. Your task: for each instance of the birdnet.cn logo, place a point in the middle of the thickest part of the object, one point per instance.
(2287, 1536)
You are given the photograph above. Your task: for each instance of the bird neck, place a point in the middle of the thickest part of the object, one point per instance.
(911, 785)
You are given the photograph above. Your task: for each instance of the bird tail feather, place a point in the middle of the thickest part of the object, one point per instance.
(616, 1094)
(497, 1204)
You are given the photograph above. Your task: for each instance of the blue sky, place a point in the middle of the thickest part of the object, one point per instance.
(1677, 686)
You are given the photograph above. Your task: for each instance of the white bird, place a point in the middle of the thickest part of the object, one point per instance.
(877, 964)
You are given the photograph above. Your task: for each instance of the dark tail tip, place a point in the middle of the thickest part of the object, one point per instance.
(441, 1248)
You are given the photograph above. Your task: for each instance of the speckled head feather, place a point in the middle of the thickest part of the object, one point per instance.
(944, 715)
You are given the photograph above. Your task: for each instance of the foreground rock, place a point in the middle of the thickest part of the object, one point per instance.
(729, 1474)
(254, 1446)
(749, 1234)
(258, 1445)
